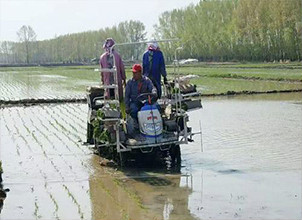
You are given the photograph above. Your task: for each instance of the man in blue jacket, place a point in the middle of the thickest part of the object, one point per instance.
(137, 85)
(154, 66)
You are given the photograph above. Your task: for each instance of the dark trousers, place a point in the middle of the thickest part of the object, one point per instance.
(157, 86)
(134, 108)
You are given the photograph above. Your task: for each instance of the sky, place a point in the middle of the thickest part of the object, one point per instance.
(50, 18)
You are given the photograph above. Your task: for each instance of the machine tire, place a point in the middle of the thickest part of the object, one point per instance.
(175, 155)
(122, 158)
(89, 136)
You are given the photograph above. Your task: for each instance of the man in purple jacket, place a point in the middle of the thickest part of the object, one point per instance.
(106, 61)
(137, 85)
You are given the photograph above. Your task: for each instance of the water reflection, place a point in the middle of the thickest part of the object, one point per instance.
(139, 193)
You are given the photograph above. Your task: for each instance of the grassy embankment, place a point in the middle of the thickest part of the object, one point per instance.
(228, 78)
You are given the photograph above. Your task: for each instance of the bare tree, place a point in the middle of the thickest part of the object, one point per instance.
(26, 36)
(4, 52)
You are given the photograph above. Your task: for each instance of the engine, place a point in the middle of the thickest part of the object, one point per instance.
(150, 121)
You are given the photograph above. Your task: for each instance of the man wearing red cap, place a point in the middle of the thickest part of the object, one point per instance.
(137, 85)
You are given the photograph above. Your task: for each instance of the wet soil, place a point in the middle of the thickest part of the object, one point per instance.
(248, 166)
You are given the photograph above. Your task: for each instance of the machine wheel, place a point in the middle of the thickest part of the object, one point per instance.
(175, 155)
(89, 135)
(121, 158)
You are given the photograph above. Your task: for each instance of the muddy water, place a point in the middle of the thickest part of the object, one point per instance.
(67, 83)
(249, 166)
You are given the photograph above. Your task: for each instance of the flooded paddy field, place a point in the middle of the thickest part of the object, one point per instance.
(212, 85)
(248, 71)
(45, 83)
(248, 167)
(21, 83)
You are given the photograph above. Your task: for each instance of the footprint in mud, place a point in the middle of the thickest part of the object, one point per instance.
(229, 171)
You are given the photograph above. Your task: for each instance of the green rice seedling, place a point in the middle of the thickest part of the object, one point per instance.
(43, 175)
(67, 131)
(70, 125)
(26, 142)
(36, 213)
(73, 117)
(75, 201)
(46, 136)
(70, 110)
(18, 149)
(64, 133)
(55, 203)
(125, 215)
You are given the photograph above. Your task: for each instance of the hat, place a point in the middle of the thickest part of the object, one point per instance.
(153, 45)
(108, 43)
(136, 68)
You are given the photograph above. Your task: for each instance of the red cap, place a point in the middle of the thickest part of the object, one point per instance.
(136, 68)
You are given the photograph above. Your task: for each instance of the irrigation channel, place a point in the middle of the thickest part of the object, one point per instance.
(250, 167)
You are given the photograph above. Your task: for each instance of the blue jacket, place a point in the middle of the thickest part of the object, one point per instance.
(157, 69)
(136, 87)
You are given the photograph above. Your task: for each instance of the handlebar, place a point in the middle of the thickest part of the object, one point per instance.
(147, 97)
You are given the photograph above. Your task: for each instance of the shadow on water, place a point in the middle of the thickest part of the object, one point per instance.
(140, 170)
(156, 160)
(160, 161)
(144, 189)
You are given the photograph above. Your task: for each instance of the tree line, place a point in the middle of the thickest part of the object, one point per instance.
(226, 30)
(72, 48)
(212, 30)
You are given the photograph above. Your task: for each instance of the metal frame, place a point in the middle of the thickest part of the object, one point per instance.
(120, 147)
(182, 138)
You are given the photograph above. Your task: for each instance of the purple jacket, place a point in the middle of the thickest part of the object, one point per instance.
(107, 77)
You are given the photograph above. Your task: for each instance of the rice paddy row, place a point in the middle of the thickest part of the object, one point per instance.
(50, 83)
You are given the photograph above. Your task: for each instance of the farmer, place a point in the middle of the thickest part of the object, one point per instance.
(137, 85)
(106, 61)
(154, 66)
